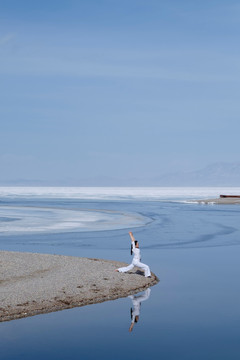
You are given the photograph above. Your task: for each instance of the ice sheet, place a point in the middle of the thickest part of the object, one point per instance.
(22, 219)
(118, 193)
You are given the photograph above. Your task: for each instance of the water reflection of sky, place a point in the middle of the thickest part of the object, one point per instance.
(193, 313)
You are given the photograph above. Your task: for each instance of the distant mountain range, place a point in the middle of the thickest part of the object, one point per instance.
(217, 174)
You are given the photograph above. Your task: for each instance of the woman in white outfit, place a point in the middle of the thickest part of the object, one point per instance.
(136, 259)
(136, 301)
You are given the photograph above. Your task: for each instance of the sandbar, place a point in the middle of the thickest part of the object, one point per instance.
(226, 201)
(32, 284)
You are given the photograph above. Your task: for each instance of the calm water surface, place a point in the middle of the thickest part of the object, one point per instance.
(193, 313)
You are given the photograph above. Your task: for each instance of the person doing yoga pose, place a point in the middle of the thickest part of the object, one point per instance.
(136, 259)
(135, 310)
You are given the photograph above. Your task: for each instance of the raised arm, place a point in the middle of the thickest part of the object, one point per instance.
(131, 236)
(131, 327)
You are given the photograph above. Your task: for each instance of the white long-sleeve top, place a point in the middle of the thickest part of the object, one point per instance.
(136, 252)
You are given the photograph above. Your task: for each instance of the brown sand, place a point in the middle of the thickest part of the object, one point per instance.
(33, 284)
(227, 201)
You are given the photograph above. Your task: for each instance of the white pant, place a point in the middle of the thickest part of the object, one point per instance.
(138, 264)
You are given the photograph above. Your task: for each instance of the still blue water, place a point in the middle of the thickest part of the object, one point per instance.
(193, 313)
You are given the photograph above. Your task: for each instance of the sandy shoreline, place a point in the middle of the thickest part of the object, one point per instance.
(32, 284)
(227, 201)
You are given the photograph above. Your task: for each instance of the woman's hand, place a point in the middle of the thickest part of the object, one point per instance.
(131, 236)
(131, 327)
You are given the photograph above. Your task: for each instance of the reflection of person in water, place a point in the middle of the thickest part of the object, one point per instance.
(136, 301)
(136, 258)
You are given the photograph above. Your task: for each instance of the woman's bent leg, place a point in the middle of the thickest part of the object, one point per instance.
(145, 267)
(126, 268)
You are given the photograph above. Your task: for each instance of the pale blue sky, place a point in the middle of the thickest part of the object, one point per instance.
(117, 88)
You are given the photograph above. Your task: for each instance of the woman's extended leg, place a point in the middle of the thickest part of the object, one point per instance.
(126, 268)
